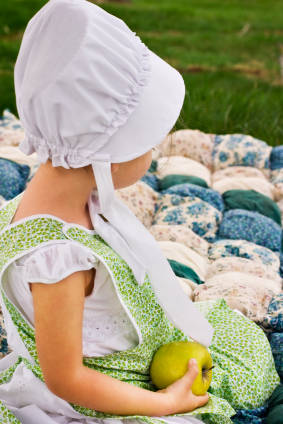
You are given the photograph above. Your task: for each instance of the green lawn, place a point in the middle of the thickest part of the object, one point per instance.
(227, 51)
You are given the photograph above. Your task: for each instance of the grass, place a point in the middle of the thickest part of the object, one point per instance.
(227, 51)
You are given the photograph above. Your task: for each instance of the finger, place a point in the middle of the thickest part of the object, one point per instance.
(192, 371)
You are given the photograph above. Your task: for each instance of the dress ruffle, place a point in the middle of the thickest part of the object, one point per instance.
(54, 262)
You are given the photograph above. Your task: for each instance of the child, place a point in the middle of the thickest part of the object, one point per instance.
(86, 294)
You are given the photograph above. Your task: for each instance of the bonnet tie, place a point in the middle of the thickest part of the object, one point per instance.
(136, 245)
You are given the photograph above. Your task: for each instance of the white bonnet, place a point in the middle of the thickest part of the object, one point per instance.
(80, 75)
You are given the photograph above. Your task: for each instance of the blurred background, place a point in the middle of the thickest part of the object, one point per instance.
(230, 53)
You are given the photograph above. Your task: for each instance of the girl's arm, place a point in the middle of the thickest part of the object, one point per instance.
(58, 315)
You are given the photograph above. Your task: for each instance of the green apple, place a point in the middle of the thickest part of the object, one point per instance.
(170, 362)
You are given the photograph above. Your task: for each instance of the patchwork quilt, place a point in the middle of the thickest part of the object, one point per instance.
(214, 203)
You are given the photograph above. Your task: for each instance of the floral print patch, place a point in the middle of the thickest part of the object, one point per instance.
(240, 150)
(244, 249)
(251, 226)
(191, 212)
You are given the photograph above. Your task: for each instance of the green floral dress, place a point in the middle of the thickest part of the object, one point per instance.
(244, 375)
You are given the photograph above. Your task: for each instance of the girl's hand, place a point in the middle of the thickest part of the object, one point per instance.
(179, 394)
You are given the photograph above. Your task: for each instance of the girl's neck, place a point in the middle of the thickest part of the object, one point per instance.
(72, 186)
(60, 192)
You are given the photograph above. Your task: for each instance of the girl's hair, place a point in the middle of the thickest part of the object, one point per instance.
(171, 139)
(180, 123)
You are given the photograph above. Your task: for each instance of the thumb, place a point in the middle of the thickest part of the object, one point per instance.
(192, 371)
(202, 399)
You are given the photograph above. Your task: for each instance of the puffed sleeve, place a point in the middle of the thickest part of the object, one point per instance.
(54, 262)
